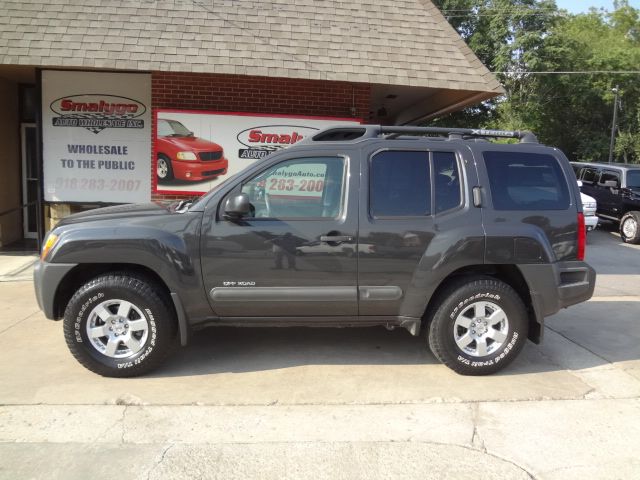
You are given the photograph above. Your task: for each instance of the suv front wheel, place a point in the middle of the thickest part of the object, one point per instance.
(119, 325)
(479, 326)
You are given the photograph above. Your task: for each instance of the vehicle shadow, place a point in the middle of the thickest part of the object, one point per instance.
(577, 339)
(237, 349)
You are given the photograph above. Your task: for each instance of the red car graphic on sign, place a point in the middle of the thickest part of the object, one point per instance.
(183, 156)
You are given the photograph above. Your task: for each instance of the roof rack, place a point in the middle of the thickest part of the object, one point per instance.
(336, 134)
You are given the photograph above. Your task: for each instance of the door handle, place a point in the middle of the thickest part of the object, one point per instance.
(335, 239)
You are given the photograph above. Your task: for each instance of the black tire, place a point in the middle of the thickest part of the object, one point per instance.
(458, 299)
(154, 341)
(630, 228)
(163, 159)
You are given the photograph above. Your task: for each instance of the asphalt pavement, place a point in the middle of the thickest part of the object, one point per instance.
(332, 403)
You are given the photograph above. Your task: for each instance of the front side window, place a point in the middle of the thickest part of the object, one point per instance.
(400, 184)
(589, 175)
(609, 176)
(526, 181)
(301, 188)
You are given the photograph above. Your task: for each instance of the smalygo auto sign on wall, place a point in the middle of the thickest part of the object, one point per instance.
(195, 150)
(96, 136)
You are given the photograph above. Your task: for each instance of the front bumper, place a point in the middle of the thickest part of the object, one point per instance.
(46, 279)
(199, 170)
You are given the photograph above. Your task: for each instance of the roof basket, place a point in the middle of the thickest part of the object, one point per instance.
(337, 134)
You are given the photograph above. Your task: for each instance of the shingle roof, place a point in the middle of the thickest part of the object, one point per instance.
(395, 42)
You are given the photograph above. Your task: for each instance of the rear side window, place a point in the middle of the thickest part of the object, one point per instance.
(633, 179)
(526, 181)
(400, 184)
(446, 181)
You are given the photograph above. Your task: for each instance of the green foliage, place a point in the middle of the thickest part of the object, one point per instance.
(571, 111)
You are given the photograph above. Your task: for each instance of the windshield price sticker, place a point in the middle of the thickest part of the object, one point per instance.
(297, 181)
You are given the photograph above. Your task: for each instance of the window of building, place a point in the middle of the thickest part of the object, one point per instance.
(526, 181)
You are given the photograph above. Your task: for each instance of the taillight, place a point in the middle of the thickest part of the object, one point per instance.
(582, 236)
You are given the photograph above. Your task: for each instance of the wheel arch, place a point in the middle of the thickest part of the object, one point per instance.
(83, 273)
(509, 274)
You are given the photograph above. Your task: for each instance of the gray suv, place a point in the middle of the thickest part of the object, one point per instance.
(472, 242)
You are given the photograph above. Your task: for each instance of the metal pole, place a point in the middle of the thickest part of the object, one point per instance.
(615, 121)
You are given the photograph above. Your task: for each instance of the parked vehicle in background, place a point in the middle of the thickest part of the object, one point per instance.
(616, 189)
(472, 241)
(181, 155)
(589, 207)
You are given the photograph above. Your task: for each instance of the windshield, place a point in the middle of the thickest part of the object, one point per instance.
(633, 178)
(172, 128)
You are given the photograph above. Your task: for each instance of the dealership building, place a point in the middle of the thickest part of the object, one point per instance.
(115, 102)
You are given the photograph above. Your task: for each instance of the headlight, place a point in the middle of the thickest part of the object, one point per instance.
(49, 243)
(186, 156)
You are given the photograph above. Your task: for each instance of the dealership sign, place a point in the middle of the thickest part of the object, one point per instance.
(264, 139)
(196, 150)
(97, 111)
(96, 146)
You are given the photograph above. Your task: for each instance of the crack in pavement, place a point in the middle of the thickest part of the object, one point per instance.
(492, 455)
(20, 321)
(606, 360)
(124, 413)
(159, 462)
(476, 441)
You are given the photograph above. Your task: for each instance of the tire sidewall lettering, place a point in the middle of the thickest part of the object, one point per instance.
(491, 361)
(504, 351)
(460, 306)
(77, 324)
(79, 327)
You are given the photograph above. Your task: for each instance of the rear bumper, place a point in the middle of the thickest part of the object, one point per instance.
(46, 279)
(558, 285)
(591, 222)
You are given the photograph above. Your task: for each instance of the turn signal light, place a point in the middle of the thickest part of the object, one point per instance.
(51, 241)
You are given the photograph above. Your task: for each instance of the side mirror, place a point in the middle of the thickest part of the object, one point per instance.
(237, 206)
(580, 184)
(610, 184)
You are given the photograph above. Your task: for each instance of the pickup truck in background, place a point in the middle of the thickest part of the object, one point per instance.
(616, 189)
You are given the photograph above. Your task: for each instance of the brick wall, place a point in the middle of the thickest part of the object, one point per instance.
(239, 93)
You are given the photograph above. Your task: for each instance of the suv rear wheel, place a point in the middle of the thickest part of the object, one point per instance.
(630, 228)
(479, 326)
(118, 325)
